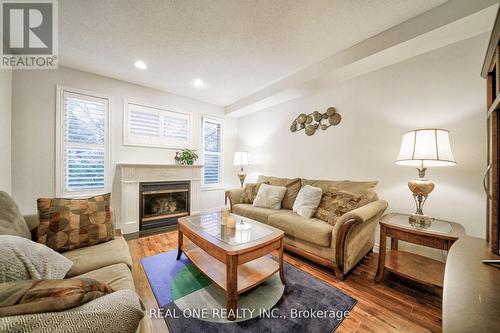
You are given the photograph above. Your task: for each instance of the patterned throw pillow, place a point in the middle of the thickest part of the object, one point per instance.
(336, 203)
(68, 224)
(250, 192)
(37, 296)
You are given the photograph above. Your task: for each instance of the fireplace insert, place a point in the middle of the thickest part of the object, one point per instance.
(162, 203)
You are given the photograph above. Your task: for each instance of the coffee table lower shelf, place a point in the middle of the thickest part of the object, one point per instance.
(250, 274)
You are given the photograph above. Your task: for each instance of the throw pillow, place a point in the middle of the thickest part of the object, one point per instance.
(37, 296)
(11, 220)
(292, 188)
(68, 224)
(269, 196)
(23, 259)
(250, 192)
(307, 201)
(335, 203)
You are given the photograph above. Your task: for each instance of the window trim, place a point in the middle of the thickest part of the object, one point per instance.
(220, 185)
(126, 126)
(60, 191)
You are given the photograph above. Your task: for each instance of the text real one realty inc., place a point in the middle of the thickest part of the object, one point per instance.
(223, 313)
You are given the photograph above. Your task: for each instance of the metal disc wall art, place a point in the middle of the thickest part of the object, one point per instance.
(322, 120)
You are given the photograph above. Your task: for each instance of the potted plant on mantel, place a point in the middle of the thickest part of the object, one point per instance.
(186, 157)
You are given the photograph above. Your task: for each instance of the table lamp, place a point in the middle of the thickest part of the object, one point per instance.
(242, 159)
(423, 148)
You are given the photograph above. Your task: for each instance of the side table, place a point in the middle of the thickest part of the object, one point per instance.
(439, 235)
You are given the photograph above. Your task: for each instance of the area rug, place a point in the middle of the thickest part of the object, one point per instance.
(190, 302)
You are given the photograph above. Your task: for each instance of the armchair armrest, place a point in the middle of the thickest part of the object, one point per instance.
(354, 234)
(234, 196)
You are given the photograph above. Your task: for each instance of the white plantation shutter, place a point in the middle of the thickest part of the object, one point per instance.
(83, 143)
(148, 126)
(143, 123)
(212, 152)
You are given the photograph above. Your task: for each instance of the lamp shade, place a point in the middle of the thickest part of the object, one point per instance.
(425, 148)
(242, 158)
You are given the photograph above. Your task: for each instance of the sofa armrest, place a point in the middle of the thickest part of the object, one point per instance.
(234, 196)
(354, 234)
(32, 221)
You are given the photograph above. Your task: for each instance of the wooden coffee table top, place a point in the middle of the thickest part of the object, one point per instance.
(235, 259)
(247, 236)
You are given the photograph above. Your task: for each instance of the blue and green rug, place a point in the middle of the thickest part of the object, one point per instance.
(190, 302)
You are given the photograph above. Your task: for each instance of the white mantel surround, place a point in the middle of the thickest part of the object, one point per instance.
(133, 174)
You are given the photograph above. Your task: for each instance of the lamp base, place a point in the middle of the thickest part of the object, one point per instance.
(421, 188)
(420, 221)
(242, 175)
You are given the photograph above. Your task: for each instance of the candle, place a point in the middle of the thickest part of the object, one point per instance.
(224, 215)
(231, 222)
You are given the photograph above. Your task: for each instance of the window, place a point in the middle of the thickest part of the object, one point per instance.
(212, 152)
(82, 143)
(153, 127)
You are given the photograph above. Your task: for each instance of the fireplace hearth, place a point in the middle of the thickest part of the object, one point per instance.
(162, 203)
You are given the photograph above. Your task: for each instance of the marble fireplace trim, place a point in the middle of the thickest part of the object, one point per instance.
(133, 174)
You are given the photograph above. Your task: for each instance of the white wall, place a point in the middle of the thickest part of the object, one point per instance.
(438, 89)
(33, 129)
(5, 130)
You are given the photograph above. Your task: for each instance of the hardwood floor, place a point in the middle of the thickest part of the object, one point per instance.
(390, 306)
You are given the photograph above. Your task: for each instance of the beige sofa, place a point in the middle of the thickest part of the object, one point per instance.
(108, 262)
(340, 246)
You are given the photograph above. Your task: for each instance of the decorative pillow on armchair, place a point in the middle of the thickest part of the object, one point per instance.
(37, 296)
(335, 203)
(250, 192)
(68, 224)
(23, 259)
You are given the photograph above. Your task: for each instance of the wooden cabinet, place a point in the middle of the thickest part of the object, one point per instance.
(491, 72)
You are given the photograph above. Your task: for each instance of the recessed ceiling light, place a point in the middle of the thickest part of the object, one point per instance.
(140, 64)
(198, 83)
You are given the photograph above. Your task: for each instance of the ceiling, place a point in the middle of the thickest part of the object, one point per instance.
(236, 47)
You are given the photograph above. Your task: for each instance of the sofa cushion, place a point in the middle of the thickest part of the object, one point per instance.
(254, 213)
(23, 259)
(292, 188)
(365, 189)
(11, 220)
(117, 276)
(250, 192)
(90, 258)
(68, 224)
(312, 230)
(38, 296)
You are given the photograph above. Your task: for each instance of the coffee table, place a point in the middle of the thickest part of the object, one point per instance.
(235, 259)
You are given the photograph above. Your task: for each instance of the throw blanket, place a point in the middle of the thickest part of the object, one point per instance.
(118, 312)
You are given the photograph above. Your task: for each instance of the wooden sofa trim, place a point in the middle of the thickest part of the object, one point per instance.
(310, 256)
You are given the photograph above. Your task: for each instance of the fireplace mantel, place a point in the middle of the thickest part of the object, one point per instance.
(132, 174)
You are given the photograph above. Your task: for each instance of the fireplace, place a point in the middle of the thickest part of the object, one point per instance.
(162, 203)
